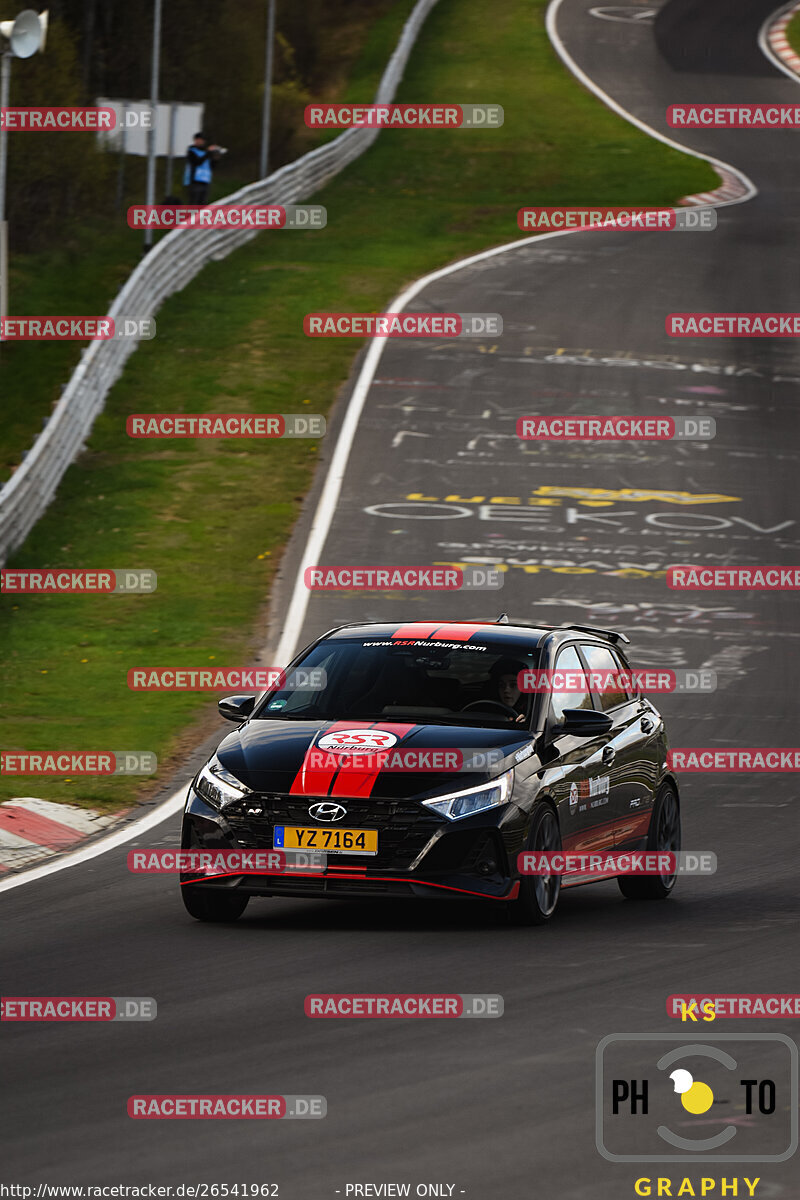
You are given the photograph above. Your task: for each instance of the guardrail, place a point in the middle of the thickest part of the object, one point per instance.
(170, 266)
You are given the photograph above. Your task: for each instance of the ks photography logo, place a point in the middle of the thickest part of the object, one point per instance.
(730, 1098)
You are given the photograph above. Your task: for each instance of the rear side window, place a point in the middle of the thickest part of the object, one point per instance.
(602, 659)
(568, 660)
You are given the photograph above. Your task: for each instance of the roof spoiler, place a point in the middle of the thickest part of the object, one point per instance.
(611, 635)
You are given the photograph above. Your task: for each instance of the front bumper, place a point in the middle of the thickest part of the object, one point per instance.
(420, 853)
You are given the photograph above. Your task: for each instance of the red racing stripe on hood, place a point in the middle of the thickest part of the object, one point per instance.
(313, 780)
(358, 782)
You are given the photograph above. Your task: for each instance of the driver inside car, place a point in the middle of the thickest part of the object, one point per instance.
(502, 686)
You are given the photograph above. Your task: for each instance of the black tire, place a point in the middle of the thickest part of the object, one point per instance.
(664, 834)
(538, 894)
(206, 905)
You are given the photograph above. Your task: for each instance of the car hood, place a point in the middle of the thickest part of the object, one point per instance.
(286, 756)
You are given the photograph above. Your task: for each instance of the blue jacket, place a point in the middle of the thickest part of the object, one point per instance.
(198, 166)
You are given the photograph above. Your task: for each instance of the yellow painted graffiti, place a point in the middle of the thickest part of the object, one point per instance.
(536, 569)
(588, 497)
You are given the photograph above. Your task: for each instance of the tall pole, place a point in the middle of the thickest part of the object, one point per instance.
(265, 114)
(121, 164)
(151, 133)
(5, 91)
(173, 116)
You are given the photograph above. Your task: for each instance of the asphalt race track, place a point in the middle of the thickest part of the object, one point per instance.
(498, 1108)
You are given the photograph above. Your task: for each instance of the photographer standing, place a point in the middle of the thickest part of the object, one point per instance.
(197, 174)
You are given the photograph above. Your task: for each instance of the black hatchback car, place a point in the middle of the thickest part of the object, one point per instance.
(420, 769)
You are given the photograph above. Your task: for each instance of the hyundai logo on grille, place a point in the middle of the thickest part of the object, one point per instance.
(327, 811)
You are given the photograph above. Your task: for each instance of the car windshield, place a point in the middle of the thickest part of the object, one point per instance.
(370, 679)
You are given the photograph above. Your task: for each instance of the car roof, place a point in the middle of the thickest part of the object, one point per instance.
(501, 631)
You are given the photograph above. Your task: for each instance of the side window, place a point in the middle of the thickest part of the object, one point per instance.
(568, 660)
(604, 661)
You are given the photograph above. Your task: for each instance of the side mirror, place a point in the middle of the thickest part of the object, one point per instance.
(236, 708)
(583, 722)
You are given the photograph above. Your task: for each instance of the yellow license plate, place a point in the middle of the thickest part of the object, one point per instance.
(329, 841)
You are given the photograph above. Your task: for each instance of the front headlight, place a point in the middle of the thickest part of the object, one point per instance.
(218, 786)
(474, 800)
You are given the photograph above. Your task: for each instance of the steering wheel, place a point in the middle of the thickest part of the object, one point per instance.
(506, 709)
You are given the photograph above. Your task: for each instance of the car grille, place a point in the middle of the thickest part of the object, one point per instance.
(404, 826)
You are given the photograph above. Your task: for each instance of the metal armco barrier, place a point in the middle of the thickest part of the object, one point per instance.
(170, 266)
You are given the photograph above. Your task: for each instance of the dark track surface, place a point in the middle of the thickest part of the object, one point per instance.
(505, 1107)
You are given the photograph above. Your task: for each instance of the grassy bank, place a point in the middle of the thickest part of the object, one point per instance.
(211, 517)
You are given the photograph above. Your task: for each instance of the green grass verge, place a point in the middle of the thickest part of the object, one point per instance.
(211, 517)
(793, 32)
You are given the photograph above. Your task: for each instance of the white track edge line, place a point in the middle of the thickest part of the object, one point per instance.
(167, 808)
(552, 32)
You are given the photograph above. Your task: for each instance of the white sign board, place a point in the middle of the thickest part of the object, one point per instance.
(175, 126)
